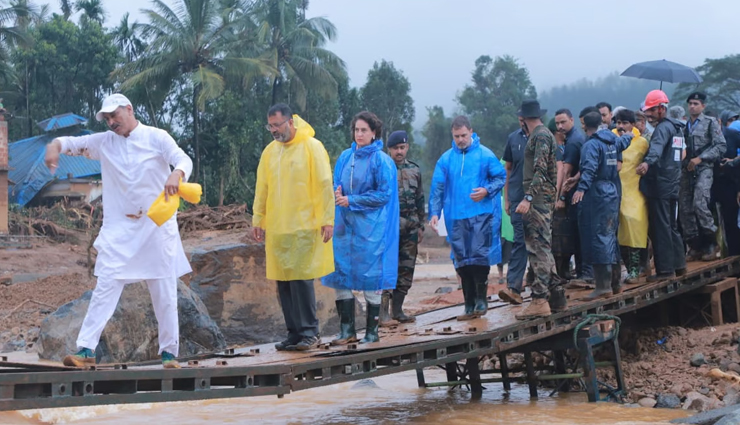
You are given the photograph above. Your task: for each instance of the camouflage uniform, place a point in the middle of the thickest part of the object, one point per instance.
(413, 216)
(540, 164)
(704, 140)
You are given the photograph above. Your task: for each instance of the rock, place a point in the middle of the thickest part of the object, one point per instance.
(731, 419)
(443, 290)
(724, 363)
(707, 418)
(244, 304)
(703, 391)
(691, 343)
(682, 331)
(365, 384)
(697, 360)
(734, 367)
(696, 401)
(731, 396)
(668, 401)
(17, 344)
(677, 390)
(647, 402)
(131, 334)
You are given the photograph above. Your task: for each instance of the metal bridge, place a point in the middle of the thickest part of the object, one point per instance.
(436, 339)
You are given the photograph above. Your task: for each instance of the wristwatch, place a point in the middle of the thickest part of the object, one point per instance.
(528, 198)
(562, 198)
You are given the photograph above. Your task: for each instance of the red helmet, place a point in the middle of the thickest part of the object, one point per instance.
(655, 98)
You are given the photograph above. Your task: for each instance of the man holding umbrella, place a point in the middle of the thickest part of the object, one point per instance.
(661, 171)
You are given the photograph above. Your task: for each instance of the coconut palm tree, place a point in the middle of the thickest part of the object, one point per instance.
(127, 39)
(196, 42)
(92, 10)
(14, 20)
(295, 46)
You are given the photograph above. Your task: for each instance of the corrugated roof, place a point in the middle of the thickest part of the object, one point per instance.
(61, 121)
(29, 172)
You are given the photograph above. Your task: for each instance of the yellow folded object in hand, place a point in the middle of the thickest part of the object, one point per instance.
(162, 210)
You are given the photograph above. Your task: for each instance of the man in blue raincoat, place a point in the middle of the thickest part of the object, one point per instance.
(599, 193)
(466, 184)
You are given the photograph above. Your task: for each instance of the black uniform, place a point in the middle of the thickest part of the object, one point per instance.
(661, 188)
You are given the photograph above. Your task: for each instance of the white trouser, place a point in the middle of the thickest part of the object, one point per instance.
(372, 297)
(105, 298)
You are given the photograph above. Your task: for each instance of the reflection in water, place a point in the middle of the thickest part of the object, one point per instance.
(397, 400)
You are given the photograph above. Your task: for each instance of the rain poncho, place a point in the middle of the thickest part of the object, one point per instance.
(366, 232)
(598, 212)
(633, 213)
(472, 227)
(507, 230)
(293, 200)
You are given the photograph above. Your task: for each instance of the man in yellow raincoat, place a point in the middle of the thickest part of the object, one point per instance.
(294, 215)
(633, 213)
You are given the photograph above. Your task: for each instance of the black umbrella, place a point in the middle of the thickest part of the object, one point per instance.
(663, 70)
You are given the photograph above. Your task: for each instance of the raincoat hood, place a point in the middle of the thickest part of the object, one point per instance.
(368, 150)
(605, 136)
(475, 144)
(303, 131)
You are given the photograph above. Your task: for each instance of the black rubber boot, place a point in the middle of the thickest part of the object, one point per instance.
(558, 301)
(616, 279)
(397, 303)
(481, 299)
(385, 307)
(371, 327)
(603, 280)
(347, 332)
(469, 296)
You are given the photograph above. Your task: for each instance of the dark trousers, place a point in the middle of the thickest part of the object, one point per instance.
(518, 260)
(668, 248)
(298, 301)
(724, 193)
(473, 275)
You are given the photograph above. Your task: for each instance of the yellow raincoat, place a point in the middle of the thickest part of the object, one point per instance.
(294, 198)
(633, 213)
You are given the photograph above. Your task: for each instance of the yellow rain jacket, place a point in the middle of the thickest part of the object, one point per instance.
(633, 213)
(294, 198)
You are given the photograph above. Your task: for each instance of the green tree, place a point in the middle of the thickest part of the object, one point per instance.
(14, 20)
(195, 43)
(126, 37)
(295, 47)
(66, 6)
(91, 10)
(436, 131)
(721, 84)
(387, 93)
(491, 101)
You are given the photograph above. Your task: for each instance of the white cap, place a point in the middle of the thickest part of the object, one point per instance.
(111, 103)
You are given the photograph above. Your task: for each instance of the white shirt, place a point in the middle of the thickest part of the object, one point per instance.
(134, 171)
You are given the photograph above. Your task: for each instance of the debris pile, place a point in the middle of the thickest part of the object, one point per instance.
(203, 217)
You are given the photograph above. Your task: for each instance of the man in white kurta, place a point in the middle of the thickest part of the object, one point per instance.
(136, 163)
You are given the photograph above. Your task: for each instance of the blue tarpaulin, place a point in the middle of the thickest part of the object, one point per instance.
(29, 172)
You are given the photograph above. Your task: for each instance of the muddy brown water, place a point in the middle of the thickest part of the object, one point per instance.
(396, 400)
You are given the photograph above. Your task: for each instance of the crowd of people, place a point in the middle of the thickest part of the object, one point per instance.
(599, 193)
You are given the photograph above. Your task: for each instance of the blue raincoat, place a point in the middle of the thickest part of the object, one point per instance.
(473, 228)
(598, 212)
(366, 232)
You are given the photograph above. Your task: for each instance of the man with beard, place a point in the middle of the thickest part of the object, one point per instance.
(294, 215)
(413, 215)
(661, 171)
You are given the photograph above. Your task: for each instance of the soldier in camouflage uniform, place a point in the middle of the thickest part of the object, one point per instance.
(705, 145)
(540, 177)
(411, 206)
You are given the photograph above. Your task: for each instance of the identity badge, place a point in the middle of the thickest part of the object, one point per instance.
(678, 142)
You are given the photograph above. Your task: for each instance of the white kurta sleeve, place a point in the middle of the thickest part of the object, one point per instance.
(88, 145)
(174, 155)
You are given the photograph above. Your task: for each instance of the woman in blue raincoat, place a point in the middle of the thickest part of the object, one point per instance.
(366, 227)
(599, 193)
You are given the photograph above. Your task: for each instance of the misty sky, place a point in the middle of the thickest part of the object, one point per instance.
(435, 42)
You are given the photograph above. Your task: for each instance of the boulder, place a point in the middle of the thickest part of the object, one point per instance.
(731, 419)
(668, 401)
(696, 401)
(231, 281)
(647, 402)
(697, 360)
(131, 334)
